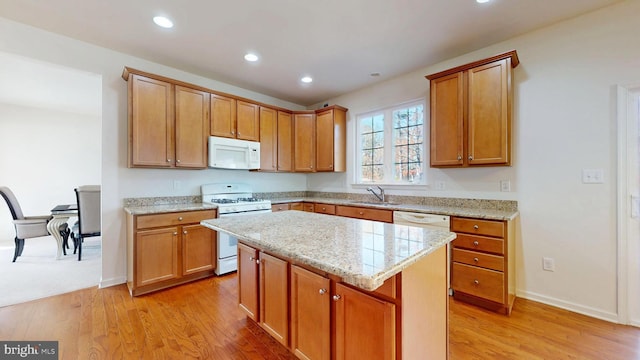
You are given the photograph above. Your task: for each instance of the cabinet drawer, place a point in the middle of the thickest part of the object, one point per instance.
(365, 213)
(325, 209)
(308, 207)
(172, 219)
(480, 243)
(279, 207)
(478, 227)
(487, 261)
(473, 280)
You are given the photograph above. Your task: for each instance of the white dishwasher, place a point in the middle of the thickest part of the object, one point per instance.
(427, 221)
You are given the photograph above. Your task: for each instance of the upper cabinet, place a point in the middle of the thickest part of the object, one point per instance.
(168, 124)
(268, 139)
(304, 153)
(248, 121)
(331, 139)
(223, 116)
(471, 113)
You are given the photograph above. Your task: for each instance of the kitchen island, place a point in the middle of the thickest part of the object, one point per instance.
(330, 287)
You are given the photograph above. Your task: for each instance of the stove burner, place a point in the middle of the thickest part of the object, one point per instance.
(249, 199)
(224, 201)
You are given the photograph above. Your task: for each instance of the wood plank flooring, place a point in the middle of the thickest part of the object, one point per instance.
(202, 321)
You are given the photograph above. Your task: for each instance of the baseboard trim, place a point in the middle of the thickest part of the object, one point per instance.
(570, 306)
(112, 282)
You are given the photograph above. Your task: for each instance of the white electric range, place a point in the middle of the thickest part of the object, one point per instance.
(232, 199)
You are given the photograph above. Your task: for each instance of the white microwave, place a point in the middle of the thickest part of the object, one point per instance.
(225, 153)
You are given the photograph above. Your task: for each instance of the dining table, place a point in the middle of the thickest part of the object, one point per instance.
(60, 215)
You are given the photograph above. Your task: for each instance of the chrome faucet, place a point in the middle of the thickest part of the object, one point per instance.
(379, 196)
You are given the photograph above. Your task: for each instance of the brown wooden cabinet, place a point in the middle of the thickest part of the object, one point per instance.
(285, 141)
(365, 213)
(365, 325)
(307, 206)
(483, 263)
(310, 315)
(304, 153)
(325, 209)
(274, 297)
(331, 139)
(164, 250)
(280, 207)
(191, 127)
(268, 139)
(223, 116)
(471, 113)
(248, 295)
(248, 121)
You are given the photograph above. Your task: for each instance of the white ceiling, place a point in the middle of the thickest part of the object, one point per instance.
(337, 42)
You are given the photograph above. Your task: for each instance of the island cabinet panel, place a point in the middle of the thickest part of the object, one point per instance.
(310, 315)
(223, 116)
(365, 326)
(274, 297)
(365, 213)
(168, 249)
(248, 295)
(483, 262)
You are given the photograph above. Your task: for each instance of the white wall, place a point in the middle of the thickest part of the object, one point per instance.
(564, 121)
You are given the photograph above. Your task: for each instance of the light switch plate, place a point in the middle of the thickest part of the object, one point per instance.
(592, 176)
(440, 185)
(505, 185)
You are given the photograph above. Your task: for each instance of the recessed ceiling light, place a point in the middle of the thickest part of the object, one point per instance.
(482, 1)
(251, 57)
(306, 79)
(163, 22)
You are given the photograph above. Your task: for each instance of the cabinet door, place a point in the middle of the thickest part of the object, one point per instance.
(488, 117)
(150, 122)
(310, 315)
(198, 249)
(248, 280)
(191, 127)
(248, 123)
(365, 326)
(223, 116)
(285, 141)
(156, 256)
(310, 207)
(274, 297)
(268, 139)
(296, 206)
(304, 142)
(447, 120)
(324, 141)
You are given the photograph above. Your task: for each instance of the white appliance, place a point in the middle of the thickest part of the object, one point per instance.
(232, 200)
(427, 221)
(225, 153)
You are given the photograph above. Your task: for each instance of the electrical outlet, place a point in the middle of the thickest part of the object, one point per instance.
(440, 185)
(505, 185)
(592, 176)
(548, 264)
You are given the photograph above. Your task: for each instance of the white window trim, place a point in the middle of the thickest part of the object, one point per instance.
(388, 137)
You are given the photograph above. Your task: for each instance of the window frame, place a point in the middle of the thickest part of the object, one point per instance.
(388, 132)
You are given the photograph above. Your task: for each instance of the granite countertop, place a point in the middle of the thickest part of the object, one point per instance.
(167, 208)
(363, 253)
(479, 213)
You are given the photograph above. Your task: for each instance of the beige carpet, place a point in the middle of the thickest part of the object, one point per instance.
(37, 274)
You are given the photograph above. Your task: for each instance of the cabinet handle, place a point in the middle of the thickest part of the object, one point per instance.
(470, 157)
(361, 213)
(175, 233)
(476, 243)
(180, 218)
(459, 157)
(476, 227)
(185, 232)
(251, 258)
(232, 132)
(476, 259)
(258, 261)
(177, 161)
(322, 291)
(168, 160)
(336, 297)
(476, 282)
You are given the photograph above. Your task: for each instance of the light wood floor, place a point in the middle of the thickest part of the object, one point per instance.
(201, 320)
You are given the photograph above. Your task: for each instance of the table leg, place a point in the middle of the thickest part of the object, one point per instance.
(52, 226)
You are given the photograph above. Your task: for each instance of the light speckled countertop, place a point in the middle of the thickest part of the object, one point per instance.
(363, 253)
(479, 213)
(167, 208)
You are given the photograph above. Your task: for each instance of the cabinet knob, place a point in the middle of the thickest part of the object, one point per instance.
(470, 157)
(175, 233)
(459, 157)
(258, 261)
(476, 243)
(361, 213)
(476, 259)
(177, 161)
(185, 232)
(330, 166)
(251, 258)
(336, 297)
(232, 132)
(322, 291)
(476, 227)
(168, 160)
(476, 282)
(180, 218)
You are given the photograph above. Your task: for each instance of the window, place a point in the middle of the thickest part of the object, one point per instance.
(391, 145)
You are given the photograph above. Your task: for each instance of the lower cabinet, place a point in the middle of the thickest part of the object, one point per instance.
(365, 213)
(164, 250)
(318, 317)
